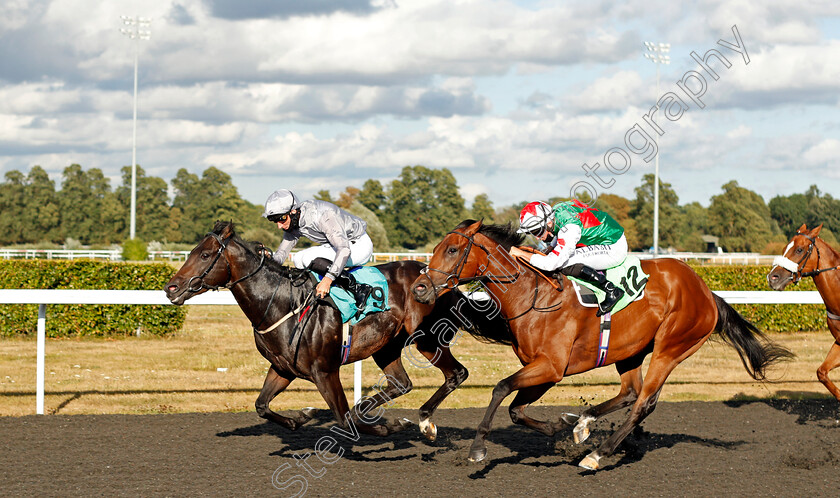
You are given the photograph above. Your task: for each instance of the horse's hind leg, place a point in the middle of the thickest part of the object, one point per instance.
(275, 383)
(631, 385)
(397, 383)
(831, 362)
(329, 385)
(527, 396)
(661, 365)
(454, 374)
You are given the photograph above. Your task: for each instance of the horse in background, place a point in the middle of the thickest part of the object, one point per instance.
(807, 255)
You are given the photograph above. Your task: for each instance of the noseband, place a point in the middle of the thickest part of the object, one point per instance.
(453, 278)
(796, 268)
(223, 243)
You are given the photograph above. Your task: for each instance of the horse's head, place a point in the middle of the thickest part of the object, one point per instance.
(801, 256)
(205, 268)
(453, 261)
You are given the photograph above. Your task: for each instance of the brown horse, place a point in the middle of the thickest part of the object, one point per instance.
(308, 345)
(554, 336)
(807, 255)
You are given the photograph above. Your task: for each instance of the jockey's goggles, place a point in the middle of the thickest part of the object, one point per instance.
(537, 231)
(278, 218)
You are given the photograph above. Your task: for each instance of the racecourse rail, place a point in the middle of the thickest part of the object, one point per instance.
(43, 297)
(746, 258)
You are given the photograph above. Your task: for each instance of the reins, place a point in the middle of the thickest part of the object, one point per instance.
(508, 278)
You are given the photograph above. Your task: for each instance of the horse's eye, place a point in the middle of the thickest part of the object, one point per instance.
(205, 255)
(798, 250)
(452, 250)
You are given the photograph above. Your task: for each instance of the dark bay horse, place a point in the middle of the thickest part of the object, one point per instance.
(308, 343)
(807, 255)
(554, 336)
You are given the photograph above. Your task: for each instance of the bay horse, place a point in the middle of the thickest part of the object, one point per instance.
(269, 293)
(807, 255)
(554, 336)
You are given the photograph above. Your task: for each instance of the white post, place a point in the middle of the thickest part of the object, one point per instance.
(42, 340)
(357, 382)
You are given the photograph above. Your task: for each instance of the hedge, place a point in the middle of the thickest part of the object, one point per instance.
(767, 317)
(87, 320)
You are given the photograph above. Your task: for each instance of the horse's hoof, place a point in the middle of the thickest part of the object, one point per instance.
(478, 455)
(569, 418)
(591, 461)
(581, 430)
(404, 422)
(428, 429)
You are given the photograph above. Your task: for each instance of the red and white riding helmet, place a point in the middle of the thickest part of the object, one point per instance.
(534, 218)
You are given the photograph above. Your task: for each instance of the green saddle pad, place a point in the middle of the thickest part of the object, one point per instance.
(628, 275)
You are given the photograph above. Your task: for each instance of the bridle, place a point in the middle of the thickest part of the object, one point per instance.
(223, 243)
(453, 279)
(455, 275)
(795, 268)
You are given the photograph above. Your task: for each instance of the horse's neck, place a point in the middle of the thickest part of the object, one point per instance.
(517, 297)
(828, 282)
(257, 292)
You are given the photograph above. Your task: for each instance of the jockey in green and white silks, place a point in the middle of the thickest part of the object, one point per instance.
(342, 238)
(581, 240)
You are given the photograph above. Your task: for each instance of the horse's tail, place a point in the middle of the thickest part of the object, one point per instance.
(482, 320)
(756, 351)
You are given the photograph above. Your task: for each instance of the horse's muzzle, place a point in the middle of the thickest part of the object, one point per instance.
(779, 278)
(423, 292)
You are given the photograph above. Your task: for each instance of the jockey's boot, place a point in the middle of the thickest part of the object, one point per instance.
(360, 291)
(612, 293)
(345, 280)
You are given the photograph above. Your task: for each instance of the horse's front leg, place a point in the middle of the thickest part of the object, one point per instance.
(275, 383)
(537, 373)
(329, 385)
(527, 396)
(831, 362)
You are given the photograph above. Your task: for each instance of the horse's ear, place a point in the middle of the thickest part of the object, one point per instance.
(473, 229)
(227, 231)
(803, 228)
(816, 231)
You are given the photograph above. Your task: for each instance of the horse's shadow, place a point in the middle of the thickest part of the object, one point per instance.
(525, 446)
(822, 411)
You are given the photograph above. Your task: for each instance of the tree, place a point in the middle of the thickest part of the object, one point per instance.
(204, 201)
(347, 198)
(12, 205)
(372, 196)
(423, 205)
(42, 212)
(90, 212)
(375, 228)
(670, 216)
(482, 208)
(152, 216)
(741, 219)
(323, 195)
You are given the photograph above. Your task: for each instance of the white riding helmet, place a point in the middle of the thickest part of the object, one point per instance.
(280, 202)
(534, 218)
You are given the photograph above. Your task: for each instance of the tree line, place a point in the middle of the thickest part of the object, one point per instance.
(412, 211)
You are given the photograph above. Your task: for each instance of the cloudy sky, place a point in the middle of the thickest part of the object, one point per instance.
(515, 97)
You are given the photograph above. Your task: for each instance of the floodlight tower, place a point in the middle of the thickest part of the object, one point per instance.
(658, 54)
(136, 31)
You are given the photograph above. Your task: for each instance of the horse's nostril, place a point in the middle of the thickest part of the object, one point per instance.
(420, 288)
(172, 288)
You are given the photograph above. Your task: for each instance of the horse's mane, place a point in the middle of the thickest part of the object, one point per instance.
(504, 235)
(253, 249)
